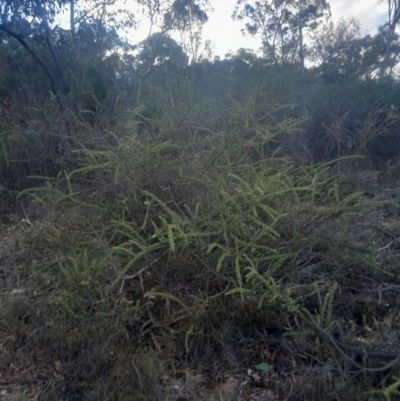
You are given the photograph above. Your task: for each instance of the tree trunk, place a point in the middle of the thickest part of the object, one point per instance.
(301, 52)
(72, 24)
(60, 72)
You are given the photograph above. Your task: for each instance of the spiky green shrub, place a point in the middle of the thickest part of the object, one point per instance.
(169, 233)
(159, 195)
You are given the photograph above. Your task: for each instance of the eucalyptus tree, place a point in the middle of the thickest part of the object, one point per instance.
(190, 27)
(342, 51)
(24, 21)
(32, 24)
(166, 16)
(96, 74)
(390, 37)
(159, 49)
(178, 15)
(185, 17)
(160, 58)
(280, 24)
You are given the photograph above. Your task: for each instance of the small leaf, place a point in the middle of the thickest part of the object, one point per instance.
(262, 367)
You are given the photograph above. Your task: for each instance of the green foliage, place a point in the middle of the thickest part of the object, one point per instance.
(178, 224)
(324, 321)
(94, 91)
(343, 53)
(262, 367)
(388, 392)
(278, 22)
(178, 237)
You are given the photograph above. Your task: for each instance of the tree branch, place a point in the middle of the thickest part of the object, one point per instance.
(35, 56)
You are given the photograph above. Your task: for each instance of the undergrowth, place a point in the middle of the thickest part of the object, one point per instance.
(179, 251)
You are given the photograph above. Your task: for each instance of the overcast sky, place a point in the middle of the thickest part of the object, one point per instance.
(226, 35)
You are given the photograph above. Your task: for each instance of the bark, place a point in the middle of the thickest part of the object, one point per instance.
(73, 29)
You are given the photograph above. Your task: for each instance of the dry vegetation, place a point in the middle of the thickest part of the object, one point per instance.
(187, 254)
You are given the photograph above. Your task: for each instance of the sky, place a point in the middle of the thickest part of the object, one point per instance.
(226, 36)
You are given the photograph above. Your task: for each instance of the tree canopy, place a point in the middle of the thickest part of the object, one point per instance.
(278, 23)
